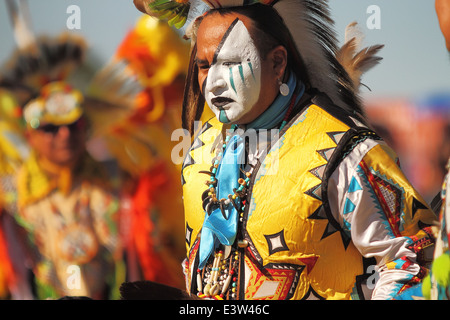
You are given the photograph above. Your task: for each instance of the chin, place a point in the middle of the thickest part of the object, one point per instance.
(234, 118)
(240, 119)
(67, 159)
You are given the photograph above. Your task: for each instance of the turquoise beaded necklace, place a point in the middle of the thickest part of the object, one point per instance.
(212, 182)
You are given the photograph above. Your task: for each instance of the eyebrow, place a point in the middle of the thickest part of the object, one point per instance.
(201, 61)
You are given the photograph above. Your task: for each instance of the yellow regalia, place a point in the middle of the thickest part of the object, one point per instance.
(291, 247)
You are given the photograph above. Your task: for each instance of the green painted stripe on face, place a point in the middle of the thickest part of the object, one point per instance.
(241, 72)
(251, 69)
(232, 80)
(223, 117)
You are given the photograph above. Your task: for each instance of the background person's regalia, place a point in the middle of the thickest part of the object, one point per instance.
(147, 74)
(131, 116)
(36, 62)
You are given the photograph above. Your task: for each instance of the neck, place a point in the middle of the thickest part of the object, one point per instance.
(55, 169)
(276, 112)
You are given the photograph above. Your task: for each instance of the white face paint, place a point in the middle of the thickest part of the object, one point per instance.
(233, 84)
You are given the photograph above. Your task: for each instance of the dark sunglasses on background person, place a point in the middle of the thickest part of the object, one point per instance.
(53, 129)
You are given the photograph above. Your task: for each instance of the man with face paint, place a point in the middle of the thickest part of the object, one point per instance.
(288, 193)
(231, 79)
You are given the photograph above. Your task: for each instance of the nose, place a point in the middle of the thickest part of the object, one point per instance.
(63, 132)
(215, 81)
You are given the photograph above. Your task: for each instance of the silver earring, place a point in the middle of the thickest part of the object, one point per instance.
(284, 88)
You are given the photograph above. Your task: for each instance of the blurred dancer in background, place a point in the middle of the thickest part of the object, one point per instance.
(36, 62)
(67, 202)
(146, 75)
(13, 151)
(100, 167)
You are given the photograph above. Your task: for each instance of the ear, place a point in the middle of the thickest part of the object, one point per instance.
(278, 56)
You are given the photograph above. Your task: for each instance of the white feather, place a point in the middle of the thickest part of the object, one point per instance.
(354, 57)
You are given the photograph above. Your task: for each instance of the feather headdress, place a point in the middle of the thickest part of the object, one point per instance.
(355, 59)
(46, 60)
(312, 29)
(38, 60)
(35, 62)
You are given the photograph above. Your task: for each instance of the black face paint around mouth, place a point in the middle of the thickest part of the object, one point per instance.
(220, 102)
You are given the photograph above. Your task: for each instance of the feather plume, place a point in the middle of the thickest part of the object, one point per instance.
(353, 31)
(116, 85)
(357, 61)
(47, 60)
(140, 89)
(38, 60)
(20, 20)
(312, 28)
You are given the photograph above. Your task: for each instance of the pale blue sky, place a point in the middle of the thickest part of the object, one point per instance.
(415, 59)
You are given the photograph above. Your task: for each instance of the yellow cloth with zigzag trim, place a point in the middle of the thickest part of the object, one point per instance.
(285, 225)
